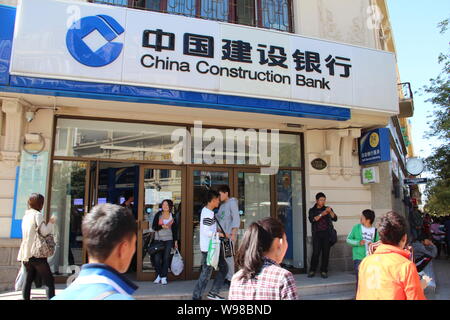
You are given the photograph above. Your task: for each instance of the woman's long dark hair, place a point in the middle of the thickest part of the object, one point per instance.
(169, 203)
(257, 239)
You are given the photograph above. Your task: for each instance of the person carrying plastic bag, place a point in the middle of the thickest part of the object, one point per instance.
(212, 259)
(208, 231)
(177, 264)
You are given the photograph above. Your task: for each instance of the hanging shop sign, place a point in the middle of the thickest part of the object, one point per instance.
(370, 175)
(108, 44)
(413, 181)
(374, 146)
(415, 166)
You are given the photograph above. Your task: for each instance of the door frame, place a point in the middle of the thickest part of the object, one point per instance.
(147, 276)
(90, 195)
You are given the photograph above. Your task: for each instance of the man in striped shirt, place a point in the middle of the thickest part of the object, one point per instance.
(208, 228)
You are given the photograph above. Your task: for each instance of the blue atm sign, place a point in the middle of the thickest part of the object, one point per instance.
(374, 146)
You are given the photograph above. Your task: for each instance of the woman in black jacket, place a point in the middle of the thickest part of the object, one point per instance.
(321, 218)
(165, 227)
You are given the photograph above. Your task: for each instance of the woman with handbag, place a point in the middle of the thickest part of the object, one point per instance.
(165, 228)
(323, 234)
(34, 249)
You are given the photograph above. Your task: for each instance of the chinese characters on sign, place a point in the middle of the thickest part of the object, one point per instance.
(272, 56)
(374, 146)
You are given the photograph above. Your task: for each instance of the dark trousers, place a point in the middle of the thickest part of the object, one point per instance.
(38, 267)
(321, 246)
(205, 275)
(162, 259)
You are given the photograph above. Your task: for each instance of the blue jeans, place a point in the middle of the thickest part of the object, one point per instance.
(205, 275)
(356, 264)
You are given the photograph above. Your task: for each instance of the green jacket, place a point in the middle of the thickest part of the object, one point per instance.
(354, 238)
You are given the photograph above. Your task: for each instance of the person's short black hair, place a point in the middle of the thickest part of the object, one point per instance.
(212, 194)
(392, 228)
(320, 195)
(224, 188)
(369, 215)
(105, 227)
(128, 194)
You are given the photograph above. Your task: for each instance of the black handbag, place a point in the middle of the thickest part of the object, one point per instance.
(333, 233)
(155, 247)
(333, 236)
(226, 243)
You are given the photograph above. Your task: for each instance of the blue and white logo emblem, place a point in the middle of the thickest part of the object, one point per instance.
(89, 40)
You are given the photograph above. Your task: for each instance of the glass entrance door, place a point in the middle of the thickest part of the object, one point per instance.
(253, 194)
(156, 184)
(200, 181)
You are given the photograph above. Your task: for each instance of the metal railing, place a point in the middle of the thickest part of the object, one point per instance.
(269, 14)
(404, 91)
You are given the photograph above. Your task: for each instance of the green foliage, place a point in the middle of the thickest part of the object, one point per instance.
(438, 188)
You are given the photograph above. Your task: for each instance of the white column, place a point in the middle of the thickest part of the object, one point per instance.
(13, 109)
(347, 152)
(333, 147)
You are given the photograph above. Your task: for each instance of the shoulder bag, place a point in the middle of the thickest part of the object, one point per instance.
(43, 246)
(156, 246)
(333, 234)
(227, 244)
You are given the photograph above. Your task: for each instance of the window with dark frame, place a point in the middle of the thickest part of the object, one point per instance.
(268, 14)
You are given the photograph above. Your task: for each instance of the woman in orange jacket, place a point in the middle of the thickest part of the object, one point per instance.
(388, 274)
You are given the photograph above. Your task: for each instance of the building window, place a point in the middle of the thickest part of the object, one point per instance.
(276, 14)
(113, 140)
(215, 10)
(113, 2)
(269, 14)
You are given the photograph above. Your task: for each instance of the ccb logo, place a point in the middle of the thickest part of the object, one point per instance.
(374, 140)
(109, 28)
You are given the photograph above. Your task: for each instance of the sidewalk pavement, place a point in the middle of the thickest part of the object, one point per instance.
(339, 286)
(442, 271)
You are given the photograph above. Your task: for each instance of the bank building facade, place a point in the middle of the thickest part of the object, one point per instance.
(166, 99)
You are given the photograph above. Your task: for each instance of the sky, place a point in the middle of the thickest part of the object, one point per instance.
(418, 44)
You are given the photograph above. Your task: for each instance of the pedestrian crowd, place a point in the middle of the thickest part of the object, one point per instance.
(390, 263)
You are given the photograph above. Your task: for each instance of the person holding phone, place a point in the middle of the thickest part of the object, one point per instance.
(321, 218)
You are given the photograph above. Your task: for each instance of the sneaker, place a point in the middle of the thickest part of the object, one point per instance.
(324, 275)
(163, 280)
(311, 274)
(158, 280)
(213, 296)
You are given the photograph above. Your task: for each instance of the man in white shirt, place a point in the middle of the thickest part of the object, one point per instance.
(208, 227)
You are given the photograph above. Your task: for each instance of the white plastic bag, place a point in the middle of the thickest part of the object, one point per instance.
(177, 265)
(212, 259)
(20, 278)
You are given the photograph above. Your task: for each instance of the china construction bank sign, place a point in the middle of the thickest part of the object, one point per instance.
(107, 44)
